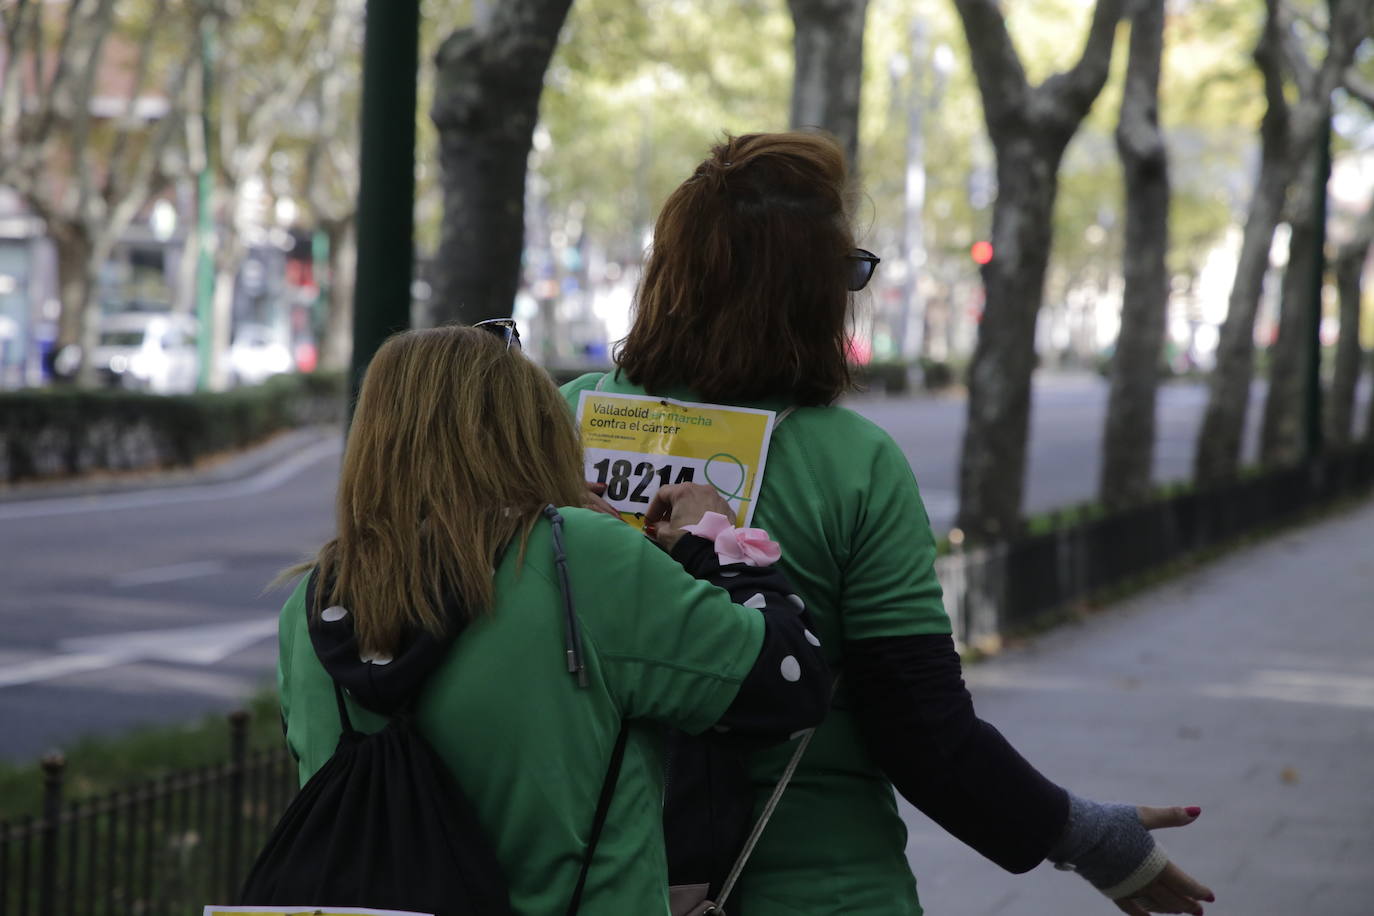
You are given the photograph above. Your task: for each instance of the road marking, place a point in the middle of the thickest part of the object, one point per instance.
(46, 669)
(1354, 691)
(203, 645)
(173, 573)
(263, 481)
(1320, 687)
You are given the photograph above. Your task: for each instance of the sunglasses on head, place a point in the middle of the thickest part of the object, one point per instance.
(503, 328)
(862, 263)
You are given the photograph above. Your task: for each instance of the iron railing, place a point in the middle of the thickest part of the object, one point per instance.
(166, 846)
(1012, 585)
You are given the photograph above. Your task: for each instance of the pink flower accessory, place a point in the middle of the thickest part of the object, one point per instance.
(750, 546)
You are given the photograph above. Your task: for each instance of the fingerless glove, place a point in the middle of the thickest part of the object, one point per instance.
(1109, 846)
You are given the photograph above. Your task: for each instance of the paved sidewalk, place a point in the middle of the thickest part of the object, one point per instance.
(1246, 687)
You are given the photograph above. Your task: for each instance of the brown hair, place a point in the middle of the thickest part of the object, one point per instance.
(745, 291)
(456, 445)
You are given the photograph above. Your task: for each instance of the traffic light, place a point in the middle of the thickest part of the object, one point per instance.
(981, 252)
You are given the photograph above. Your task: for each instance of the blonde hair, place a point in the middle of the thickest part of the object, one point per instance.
(456, 445)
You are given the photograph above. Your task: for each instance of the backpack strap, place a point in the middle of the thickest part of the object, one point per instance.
(345, 724)
(572, 630)
(603, 807)
(764, 817)
(767, 813)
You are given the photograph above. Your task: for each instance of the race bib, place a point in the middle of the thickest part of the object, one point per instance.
(635, 444)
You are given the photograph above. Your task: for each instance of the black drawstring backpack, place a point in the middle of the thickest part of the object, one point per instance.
(384, 824)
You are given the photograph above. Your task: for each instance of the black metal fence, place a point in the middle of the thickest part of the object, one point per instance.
(166, 846)
(1010, 586)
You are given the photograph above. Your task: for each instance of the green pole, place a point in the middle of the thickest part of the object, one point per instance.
(1314, 341)
(319, 257)
(205, 224)
(386, 189)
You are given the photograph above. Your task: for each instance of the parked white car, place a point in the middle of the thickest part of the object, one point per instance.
(256, 354)
(148, 351)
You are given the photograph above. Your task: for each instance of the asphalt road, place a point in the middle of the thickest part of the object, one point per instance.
(151, 606)
(1067, 414)
(148, 607)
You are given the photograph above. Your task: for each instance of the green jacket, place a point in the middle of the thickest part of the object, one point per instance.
(527, 745)
(838, 495)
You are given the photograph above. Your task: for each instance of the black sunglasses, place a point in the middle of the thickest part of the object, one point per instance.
(862, 265)
(503, 328)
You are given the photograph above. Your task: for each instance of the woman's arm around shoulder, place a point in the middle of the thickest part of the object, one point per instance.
(676, 646)
(788, 687)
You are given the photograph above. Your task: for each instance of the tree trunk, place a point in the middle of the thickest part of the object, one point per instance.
(183, 285)
(828, 46)
(1349, 272)
(1029, 127)
(221, 322)
(74, 280)
(1281, 438)
(336, 350)
(184, 288)
(992, 472)
(92, 310)
(1285, 139)
(228, 261)
(486, 105)
(78, 324)
(1223, 422)
(1129, 435)
(1369, 421)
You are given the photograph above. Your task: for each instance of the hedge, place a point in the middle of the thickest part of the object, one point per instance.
(48, 433)
(60, 432)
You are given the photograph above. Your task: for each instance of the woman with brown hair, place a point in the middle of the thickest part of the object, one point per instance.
(745, 301)
(528, 642)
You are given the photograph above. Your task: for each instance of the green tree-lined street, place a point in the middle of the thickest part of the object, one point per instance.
(220, 168)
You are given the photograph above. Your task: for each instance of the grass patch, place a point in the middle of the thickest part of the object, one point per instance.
(99, 765)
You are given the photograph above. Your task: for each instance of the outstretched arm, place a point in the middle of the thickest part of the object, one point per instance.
(918, 720)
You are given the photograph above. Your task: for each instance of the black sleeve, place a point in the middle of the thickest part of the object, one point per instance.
(788, 689)
(917, 718)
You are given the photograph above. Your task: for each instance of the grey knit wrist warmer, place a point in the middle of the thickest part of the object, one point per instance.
(1108, 846)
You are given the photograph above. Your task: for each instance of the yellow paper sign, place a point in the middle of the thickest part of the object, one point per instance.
(635, 444)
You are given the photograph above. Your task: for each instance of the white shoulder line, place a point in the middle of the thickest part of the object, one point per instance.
(198, 645)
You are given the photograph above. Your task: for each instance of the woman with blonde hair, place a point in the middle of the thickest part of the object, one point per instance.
(745, 301)
(525, 639)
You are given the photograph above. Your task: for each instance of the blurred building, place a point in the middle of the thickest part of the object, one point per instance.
(152, 265)
(28, 294)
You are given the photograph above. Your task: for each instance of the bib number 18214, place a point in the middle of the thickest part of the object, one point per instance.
(637, 483)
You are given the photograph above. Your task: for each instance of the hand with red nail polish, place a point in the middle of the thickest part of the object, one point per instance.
(1173, 890)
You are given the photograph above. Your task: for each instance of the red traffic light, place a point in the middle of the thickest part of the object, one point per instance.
(981, 252)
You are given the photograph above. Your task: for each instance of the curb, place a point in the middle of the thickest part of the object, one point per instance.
(225, 467)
